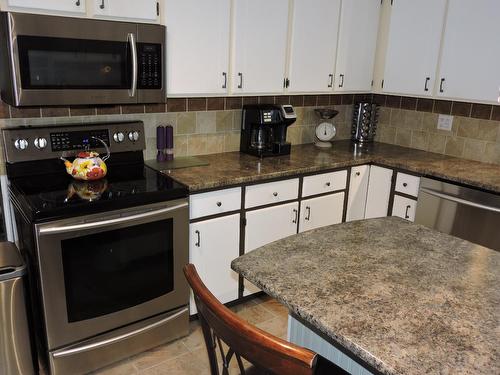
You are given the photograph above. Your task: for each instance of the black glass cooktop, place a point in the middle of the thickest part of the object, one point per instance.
(57, 195)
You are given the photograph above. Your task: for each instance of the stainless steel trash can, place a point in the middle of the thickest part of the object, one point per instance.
(15, 347)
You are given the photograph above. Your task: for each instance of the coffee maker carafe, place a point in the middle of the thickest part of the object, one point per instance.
(263, 129)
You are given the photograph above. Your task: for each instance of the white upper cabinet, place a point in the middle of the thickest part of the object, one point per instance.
(413, 46)
(143, 10)
(198, 46)
(359, 21)
(260, 29)
(470, 57)
(50, 6)
(313, 45)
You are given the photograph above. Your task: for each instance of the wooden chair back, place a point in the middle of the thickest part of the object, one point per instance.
(268, 353)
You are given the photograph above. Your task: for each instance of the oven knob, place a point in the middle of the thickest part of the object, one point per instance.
(118, 137)
(21, 144)
(133, 136)
(40, 143)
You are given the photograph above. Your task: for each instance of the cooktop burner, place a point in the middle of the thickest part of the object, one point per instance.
(58, 195)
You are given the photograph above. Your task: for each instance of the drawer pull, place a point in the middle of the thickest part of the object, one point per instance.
(197, 244)
(275, 193)
(405, 184)
(219, 204)
(358, 173)
(328, 184)
(296, 212)
(406, 212)
(308, 215)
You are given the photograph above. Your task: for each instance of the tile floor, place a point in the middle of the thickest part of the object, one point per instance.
(188, 356)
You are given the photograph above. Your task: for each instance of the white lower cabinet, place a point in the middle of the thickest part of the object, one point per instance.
(404, 207)
(267, 225)
(358, 188)
(379, 192)
(321, 211)
(213, 244)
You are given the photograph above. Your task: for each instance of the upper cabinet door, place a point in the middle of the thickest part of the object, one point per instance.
(51, 6)
(413, 47)
(313, 45)
(143, 11)
(359, 21)
(470, 62)
(260, 30)
(197, 46)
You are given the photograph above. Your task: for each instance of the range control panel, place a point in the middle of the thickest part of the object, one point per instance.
(50, 142)
(149, 66)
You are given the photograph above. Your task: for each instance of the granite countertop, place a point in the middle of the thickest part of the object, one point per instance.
(234, 168)
(404, 298)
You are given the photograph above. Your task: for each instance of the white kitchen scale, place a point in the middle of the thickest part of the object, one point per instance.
(325, 131)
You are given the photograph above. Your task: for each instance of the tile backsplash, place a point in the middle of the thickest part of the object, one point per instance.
(212, 125)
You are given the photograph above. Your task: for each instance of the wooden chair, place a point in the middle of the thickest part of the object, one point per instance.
(267, 353)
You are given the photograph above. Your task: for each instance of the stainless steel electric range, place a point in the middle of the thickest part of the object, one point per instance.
(105, 257)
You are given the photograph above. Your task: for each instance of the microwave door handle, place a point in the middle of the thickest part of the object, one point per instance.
(133, 50)
(109, 222)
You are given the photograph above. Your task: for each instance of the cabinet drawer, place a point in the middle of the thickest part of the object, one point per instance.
(272, 192)
(407, 184)
(404, 207)
(214, 202)
(324, 183)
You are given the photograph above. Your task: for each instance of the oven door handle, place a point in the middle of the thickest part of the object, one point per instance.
(100, 344)
(105, 223)
(133, 50)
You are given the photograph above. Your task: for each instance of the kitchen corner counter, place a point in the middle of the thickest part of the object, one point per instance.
(401, 297)
(235, 168)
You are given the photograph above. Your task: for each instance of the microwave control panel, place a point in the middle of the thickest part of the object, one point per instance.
(149, 66)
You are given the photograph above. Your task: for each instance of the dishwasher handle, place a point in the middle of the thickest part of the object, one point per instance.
(10, 272)
(459, 200)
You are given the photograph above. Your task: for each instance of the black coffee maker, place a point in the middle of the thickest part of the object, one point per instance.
(263, 129)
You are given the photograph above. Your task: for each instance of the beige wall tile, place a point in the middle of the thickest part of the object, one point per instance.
(437, 143)
(300, 116)
(414, 120)
(384, 115)
(403, 137)
(467, 127)
(419, 139)
(488, 130)
(180, 145)
(388, 135)
(232, 141)
(474, 149)
(429, 123)
(397, 118)
(294, 135)
(454, 146)
(215, 143)
(186, 123)
(197, 144)
(205, 122)
(308, 134)
(237, 120)
(224, 121)
(492, 153)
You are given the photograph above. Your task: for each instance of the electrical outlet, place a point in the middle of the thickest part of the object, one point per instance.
(445, 122)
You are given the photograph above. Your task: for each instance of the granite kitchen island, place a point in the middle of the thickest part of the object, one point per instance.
(396, 297)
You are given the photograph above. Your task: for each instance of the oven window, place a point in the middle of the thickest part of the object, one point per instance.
(114, 270)
(61, 63)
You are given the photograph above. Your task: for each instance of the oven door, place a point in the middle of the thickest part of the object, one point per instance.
(61, 61)
(100, 272)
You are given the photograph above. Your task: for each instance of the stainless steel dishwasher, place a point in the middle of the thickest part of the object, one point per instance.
(471, 214)
(15, 347)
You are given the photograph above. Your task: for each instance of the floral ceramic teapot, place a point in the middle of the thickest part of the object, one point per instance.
(88, 165)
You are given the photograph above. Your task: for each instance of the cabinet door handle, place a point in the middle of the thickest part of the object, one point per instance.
(240, 86)
(198, 242)
(331, 80)
(275, 194)
(219, 204)
(102, 4)
(427, 79)
(441, 89)
(406, 212)
(405, 184)
(296, 216)
(224, 85)
(328, 184)
(308, 215)
(341, 83)
(358, 173)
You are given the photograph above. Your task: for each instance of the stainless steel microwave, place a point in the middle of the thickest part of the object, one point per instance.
(49, 60)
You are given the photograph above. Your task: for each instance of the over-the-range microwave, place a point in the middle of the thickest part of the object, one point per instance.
(49, 60)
